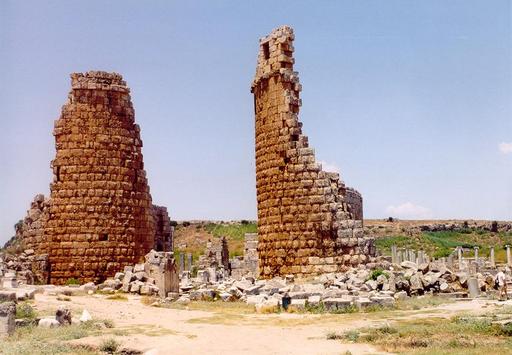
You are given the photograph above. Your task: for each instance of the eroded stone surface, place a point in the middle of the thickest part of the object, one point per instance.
(99, 216)
(308, 221)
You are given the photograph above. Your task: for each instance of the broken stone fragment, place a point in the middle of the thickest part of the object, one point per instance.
(335, 304)
(7, 318)
(6, 296)
(409, 265)
(63, 315)
(48, 323)
(85, 317)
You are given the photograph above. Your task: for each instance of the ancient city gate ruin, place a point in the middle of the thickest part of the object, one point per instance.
(100, 216)
(305, 223)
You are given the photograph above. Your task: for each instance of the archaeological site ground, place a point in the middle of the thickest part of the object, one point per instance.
(95, 266)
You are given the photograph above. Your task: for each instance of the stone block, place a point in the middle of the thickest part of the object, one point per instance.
(7, 318)
(336, 304)
(7, 296)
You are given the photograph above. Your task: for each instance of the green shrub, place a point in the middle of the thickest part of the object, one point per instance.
(234, 231)
(376, 273)
(72, 281)
(25, 311)
(109, 345)
(351, 335)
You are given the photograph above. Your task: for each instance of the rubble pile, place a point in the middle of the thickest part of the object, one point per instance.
(158, 275)
(28, 267)
(359, 287)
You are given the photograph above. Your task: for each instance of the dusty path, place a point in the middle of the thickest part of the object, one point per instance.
(174, 331)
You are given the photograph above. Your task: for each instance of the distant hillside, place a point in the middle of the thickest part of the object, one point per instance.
(439, 237)
(191, 237)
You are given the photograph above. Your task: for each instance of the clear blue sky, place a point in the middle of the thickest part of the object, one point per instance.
(410, 99)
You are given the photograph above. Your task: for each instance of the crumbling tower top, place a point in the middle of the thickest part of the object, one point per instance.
(98, 80)
(276, 55)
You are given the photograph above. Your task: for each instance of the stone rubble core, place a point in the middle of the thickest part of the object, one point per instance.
(309, 222)
(99, 217)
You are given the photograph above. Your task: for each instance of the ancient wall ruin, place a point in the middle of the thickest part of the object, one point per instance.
(305, 225)
(216, 255)
(100, 211)
(31, 229)
(164, 231)
(354, 202)
(247, 264)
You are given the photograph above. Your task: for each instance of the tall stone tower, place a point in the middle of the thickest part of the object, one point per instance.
(305, 224)
(100, 211)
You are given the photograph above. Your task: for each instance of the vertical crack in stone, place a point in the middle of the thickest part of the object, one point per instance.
(309, 222)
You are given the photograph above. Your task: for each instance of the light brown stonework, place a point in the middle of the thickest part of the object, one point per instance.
(100, 212)
(31, 230)
(305, 224)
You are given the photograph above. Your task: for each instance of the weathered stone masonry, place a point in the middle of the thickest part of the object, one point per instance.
(305, 225)
(100, 213)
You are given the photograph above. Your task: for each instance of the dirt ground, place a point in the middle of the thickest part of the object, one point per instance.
(158, 330)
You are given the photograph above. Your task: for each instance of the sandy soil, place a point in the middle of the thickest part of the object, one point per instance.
(171, 331)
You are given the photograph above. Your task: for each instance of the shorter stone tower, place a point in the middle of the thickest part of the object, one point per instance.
(309, 222)
(100, 214)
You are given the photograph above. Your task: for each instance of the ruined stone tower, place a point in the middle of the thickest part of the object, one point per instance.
(305, 223)
(100, 212)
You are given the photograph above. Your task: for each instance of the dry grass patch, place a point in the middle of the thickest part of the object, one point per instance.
(419, 302)
(150, 301)
(218, 307)
(459, 334)
(117, 297)
(35, 340)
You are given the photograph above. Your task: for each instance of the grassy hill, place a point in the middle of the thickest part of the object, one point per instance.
(191, 237)
(439, 244)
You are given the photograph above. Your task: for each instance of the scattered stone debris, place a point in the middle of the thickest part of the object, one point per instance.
(359, 287)
(28, 268)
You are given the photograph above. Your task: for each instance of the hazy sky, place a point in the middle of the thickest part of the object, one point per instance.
(411, 100)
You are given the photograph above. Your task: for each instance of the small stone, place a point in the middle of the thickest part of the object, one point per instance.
(314, 300)
(299, 304)
(85, 317)
(48, 323)
(63, 315)
(409, 265)
(401, 295)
